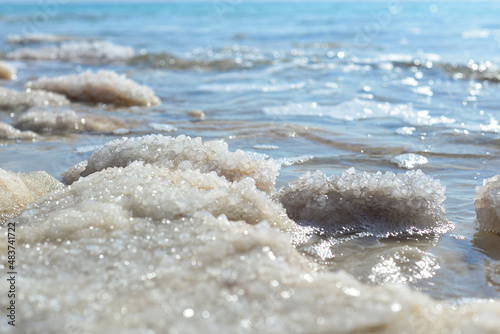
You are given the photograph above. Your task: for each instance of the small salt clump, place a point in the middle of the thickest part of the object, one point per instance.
(487, 202)
(65, 121)
(379, 204)
(11, 100)
(19, 189)
(409, 160)
(103, 86)
(185, 153)
(7, 131)
(7, 71)
(89, 52)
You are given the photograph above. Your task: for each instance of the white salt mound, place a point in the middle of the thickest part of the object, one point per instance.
(409, 160)
(7, 131)
(65, 121)
(11, 100)
(142, 249)
(103, 86)
(362, 202)
(7, 71)
(184, 153)
(89, 52)
(19, 189)
(487, 202)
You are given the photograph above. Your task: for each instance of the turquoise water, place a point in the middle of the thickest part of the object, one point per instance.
(335, 84)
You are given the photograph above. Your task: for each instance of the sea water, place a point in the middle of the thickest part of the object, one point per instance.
(386, 87)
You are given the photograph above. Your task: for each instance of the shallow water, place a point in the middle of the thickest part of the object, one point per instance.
(322, 86)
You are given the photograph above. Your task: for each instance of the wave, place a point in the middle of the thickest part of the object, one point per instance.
(36, 38)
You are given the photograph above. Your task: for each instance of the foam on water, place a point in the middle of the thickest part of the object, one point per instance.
(184, 153)
(66, 121)
(19, 189)
(380, 204)
(7, 71)
(91, 52)
(103, 86)
(487, 202)
(11, 100)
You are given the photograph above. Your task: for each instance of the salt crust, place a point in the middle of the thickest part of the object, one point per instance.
(184, 153)
(7, 71)
(362, 202)
(64, 121)
(103, 86)
(37, 38)
(11, 100)
(141, 248)
(487, 202)
(7, 131)
(19, 189)
(90, 52)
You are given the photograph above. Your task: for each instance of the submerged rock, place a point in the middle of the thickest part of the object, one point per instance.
(103, 86)
(184, 153)
(7, 131)
(487, 202)
(65, 121)
(19, 189)
(11, 100)
(7, 71)
(91, 52)
(380, 204)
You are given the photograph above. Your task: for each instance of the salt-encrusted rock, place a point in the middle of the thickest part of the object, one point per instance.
(103, 86)
(65, 121)
(92, 52)
(184, 153)
(7, 131)
(11, 100)
(379, 204)
(7, 71)
(19, 189)
(487, 202)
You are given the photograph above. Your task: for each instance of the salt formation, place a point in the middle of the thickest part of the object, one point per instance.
(7, 71)
(487, 202)
(103, 86)
(143, 248)
(409, 160)
(7, 131)
(37, 38)
(64, 121)
(11, 100)
(379, 204)
(90, 52)
(184, 153)
(19, 189)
